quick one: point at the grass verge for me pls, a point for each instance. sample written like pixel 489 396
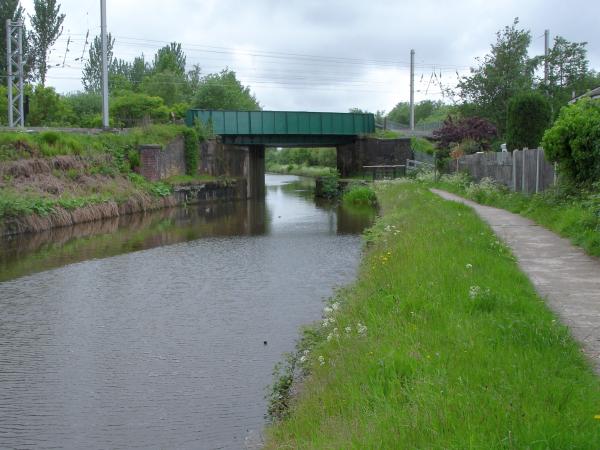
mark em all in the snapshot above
pixel 301 170
pixel 441 343
pixel 572 214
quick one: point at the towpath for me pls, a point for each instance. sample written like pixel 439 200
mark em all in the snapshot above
pixel 563 274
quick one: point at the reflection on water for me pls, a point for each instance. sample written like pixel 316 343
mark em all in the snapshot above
pixel 152 345
pixel 28 253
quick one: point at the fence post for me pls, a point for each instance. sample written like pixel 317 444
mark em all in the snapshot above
pixel 514 170
pixel 537 170
pixel 523 171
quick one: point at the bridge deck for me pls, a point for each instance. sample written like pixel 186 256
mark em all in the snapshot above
pixel 284 126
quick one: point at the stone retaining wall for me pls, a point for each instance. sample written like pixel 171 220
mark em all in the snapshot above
pixel 157 163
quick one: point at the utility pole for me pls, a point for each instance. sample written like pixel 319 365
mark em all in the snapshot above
pixel 104 38
pixel 412 89
pixel 14 60
pixel 546 50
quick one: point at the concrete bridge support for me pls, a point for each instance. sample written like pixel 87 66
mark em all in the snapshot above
pixel 237 161
pixel 372 152
pixel 255 171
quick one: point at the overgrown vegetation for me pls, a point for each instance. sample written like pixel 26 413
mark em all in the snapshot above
pixel 191 143
pixel 441 343
pixel 48 172
pixel 330 186
pixel 359 195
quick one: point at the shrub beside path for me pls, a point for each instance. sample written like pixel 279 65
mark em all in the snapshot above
pixel 563 274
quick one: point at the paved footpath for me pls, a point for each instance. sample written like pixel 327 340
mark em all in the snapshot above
pixel 563 274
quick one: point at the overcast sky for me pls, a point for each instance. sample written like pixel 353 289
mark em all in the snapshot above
pixel 321 55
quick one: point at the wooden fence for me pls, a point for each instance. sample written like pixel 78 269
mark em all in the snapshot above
pixel 522 170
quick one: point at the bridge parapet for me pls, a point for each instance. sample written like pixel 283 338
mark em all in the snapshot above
pixel 284 128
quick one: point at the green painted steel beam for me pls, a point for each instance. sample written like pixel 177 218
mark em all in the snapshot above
pixel 283 123
pixel 288 140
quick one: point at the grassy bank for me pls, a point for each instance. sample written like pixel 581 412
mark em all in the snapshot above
pixel 441 343
pixel 572 214
pixel 56 178
pixel 301 170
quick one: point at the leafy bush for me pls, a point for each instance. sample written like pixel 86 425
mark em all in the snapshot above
pixel 528 117
pixel 476 129
pixel 48 108
pixel 329 186
pixel 360 195
pixel 132 108
pixel 574 142
pixel 86 107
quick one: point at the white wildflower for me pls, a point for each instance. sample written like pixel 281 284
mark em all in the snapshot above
pixel 327 321
pixel 469 266
pixel 303 359
pixel 327 310
pixel 474 292
pixel 329 337
pixel 335 306
pixel 306 352
pixel 362 329
pixel 348 329
pixel 321 360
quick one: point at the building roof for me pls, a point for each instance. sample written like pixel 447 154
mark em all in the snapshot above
pixel 593 94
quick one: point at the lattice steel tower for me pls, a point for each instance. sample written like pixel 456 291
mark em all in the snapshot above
pixel 14 66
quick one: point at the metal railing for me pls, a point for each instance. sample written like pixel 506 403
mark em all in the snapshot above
pixel 412 164
pixel 383 170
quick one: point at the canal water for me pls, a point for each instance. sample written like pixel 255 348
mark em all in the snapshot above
pixel 149 331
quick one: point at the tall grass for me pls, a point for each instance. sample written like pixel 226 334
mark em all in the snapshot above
pixel 442 343
pixel 360 195
pixel 16 145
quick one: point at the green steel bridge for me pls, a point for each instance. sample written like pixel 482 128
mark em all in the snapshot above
pixel 284 128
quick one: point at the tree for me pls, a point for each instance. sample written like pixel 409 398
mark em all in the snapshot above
pixel 567 71
pixel 194 80
pixel 139 70
pixel 504 72
pixel 528 117
pixel 400 113
pixel 46 24
pixel 425 111
pixel 170 58
pixel 92 70
pixel 167 85
pixel 574 142
pixel 475 129
pixel 224 91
